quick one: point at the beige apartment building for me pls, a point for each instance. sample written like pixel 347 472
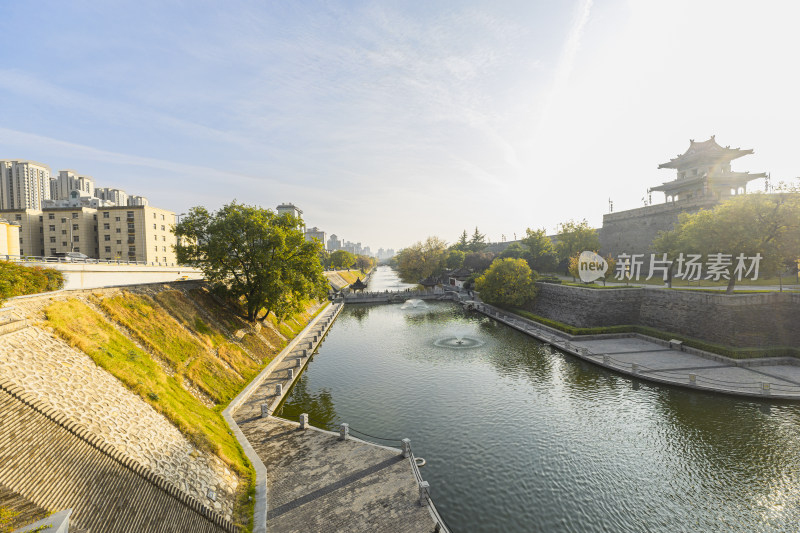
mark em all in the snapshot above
pixel 136 233
pixel 70 229
pixel 119 233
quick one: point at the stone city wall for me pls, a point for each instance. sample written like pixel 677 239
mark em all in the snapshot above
pixel 740 320
pixel 633 231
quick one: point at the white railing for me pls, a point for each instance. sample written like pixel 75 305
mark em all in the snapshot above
pixel 88 260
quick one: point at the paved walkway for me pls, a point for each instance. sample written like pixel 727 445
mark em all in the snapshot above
pixel 317 482
pixel 655 360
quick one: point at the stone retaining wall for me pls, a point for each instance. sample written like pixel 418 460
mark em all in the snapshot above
pixel 740 320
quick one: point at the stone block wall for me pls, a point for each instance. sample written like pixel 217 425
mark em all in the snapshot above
pixel 741 320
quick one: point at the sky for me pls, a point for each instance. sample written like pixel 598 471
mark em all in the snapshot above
pixel 388 122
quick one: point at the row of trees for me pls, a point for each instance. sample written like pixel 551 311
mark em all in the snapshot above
pixel 342 259
pixel 758 223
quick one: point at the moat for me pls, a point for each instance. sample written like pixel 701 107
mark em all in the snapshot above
pixel 519 437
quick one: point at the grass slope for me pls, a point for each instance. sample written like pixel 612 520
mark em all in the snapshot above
pixel 194 335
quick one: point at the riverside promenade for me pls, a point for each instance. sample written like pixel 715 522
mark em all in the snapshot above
pixel 316 481
pixel 671 363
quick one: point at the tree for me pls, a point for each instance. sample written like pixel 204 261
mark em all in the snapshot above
pixel 515 251
pixel 507 282
pixel 478 261
pixel 575 237
pixel 341 259
pixel 463 242
pixel 477 242
pixel 253 254
pixel 421 260
pixel 364 263
pixel 750 224
pixel 542 255
pixel 455 259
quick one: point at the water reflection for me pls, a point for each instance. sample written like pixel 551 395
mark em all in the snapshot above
pixel 520 437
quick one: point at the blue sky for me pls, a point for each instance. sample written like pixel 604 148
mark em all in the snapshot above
pixel 388 122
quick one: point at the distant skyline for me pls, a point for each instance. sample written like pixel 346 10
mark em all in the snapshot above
pixel 387 123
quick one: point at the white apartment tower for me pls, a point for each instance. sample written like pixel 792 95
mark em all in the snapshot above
pixel 23 184
pixel 69 180
pixel 116 196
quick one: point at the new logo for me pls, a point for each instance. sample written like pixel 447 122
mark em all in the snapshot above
pixel 591 266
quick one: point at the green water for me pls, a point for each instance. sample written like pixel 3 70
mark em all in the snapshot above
pixel 521 438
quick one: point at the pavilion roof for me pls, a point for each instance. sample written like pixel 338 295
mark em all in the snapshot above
pixel 358 284
pixel 705 152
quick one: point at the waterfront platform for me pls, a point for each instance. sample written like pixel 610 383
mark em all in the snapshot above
pixel 651 359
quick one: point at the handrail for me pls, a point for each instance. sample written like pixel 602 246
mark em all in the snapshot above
pixel 88 261
pixel 441 525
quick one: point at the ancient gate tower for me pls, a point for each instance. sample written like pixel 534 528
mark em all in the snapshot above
pixel 704 179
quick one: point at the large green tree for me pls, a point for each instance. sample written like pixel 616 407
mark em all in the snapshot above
pixel 477 242
pixel 575 237
pixel 542 256
pixel 421 260
pixel 507 282
pixel 254 255
pixel 341 259
pixel 750 224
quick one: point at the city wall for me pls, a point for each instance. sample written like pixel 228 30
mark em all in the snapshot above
pixel 633 231
pixel 741 320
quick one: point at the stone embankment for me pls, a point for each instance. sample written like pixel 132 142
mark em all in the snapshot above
pixel 50 371
pixel 666 362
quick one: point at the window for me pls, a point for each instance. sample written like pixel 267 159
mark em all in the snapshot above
pixel 106 237
pixel 105 214
pixel 162 227
pixel 116 219
pixel 108 249
pixel 162 217
pixel 52 227
pixel 106 226
pixel 165 259
pixel 51 216
pixel 74 215
pixel 17 217
pixel 130 214
pixel 119 230
pixel 163 238
pixel 154 226
pixel 40 218
pixel 76 249
pixel 75 227
pixel 154 215
pixel 52 251
pixel 156 250
pixel 52 239
pixel 76 238
pixel 63 232
pixel 64 243
pixel 119 241
pixel 131 227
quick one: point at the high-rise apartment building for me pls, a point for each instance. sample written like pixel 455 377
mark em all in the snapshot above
pixel 23 184
pixel 68 181
pixel 115 196
pixel 135 201
pixel 315 233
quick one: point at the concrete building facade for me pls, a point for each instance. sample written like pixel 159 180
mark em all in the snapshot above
pixel 116 233
pixel 23 184
pixel 316 233
pixel 136 233
pixel 68 181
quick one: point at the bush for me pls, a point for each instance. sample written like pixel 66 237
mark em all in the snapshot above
pixel 18 280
